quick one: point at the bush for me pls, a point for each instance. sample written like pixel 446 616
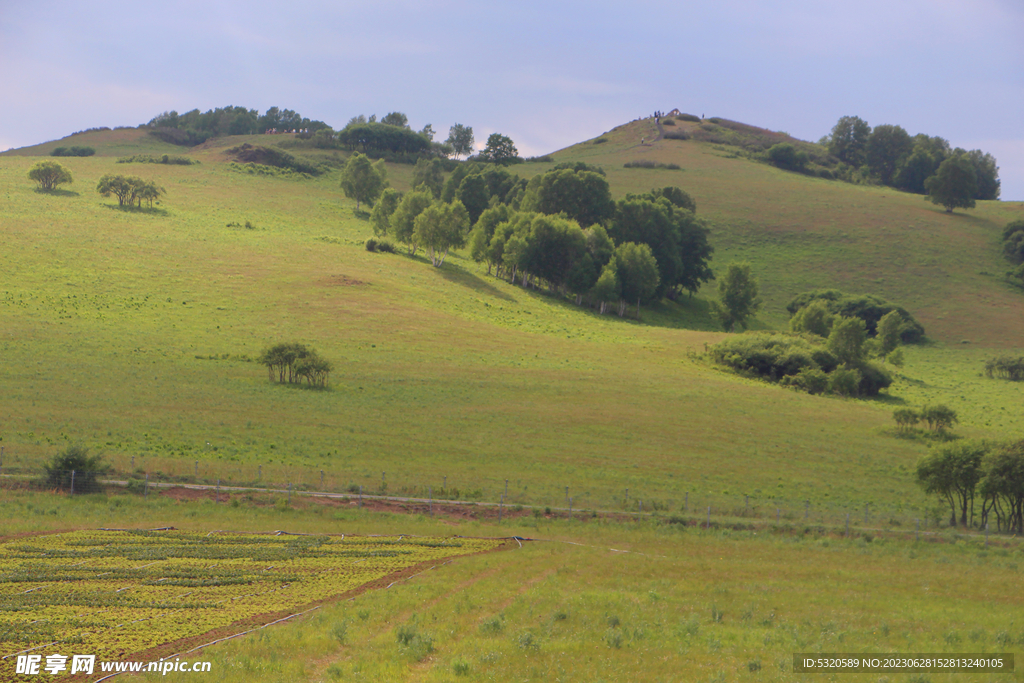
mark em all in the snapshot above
pixel 272 156
pixel 1006 367
pixel 547 158
pixel 73 152
pixel 385 247
pixel 1013 240
pixel 49 174
pixel 677 135
pixel 371 244
pixel 939 417
pixel 600 141
pixel 668 122
pixel 646 163
pixel 74 470
pixel 844 381
pixel 150 159
pixel 811 380
pixel 784 155
pixel 688 117
pixel 868 308
pixel 873 379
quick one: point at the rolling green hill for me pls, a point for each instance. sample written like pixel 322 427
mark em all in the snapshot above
pixel 134 333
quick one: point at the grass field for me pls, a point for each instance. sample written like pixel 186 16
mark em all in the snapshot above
pixel 133 332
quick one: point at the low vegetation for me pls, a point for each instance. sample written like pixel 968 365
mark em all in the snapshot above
pixel 50 174
pixel 73 151
pixel 174 160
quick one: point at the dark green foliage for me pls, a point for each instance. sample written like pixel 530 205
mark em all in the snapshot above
pixel 380 137
pixel 129 190
pixel 815 318
pixel 383 209
pixel 474 195
pixel 849 140
pixel 76 459
pixel 784 155
pixel 164 159
pixel 939 417
pixel 294 362
pixel 460 138
pixel 646 163
pixel 738 296
pixel 545 159
pixel 194 127
pixel 953 472
pixel 906 418
pixel 887 147
pixel 676 135
pixel 1006 367
pixel 272 156
pixel 578 167
pixel 688 117
pixel 1003 486
pixel 798 362
pixel 846 340
pixel 362 180
pixel 868 308
pixel 583 196
pixel 676 196
pixel 668 122
pixel 1013 240
pixel 396 118
pixel 500 150
pixel 73 151
pixel 429 175
pixel 954 184
pixel 600 141
pixel 987 174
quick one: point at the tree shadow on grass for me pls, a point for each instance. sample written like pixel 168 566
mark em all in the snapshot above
pixel 57 192
pixel 150 211
pixel 459 275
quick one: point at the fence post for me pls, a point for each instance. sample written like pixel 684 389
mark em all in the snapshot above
pixel 566 494
pixel 133 463
pixel 501 504
pixel 641 509
pixel 430 492
pixel 259 473
pixel 72 482
pixel 321 480
pixel 197 469
pixel 216 496
pixel 506 488
pixel 145 491
pixel 570 509
pixel 446 482
pixel 360 495
pixel 289 493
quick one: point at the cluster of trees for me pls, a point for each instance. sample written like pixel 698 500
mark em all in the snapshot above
pixel 961 471
pixel 74 151
pixel 129 190
pixel 272 156
pixel 837 365
pixel 561 228
pixel 922 164
pixel 293 362
pixel 938 418
pixel 195 127
pixel 1013 247
pixel 870 309
pixel 393 136
pixel 49 174
pixel 1006 367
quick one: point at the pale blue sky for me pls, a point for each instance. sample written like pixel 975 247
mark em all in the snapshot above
pixel 547 74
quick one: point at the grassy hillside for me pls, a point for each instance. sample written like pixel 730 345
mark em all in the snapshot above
pixel 134 332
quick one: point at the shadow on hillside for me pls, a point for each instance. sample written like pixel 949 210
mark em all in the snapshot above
pixel 151 211
pixel 56 192
pixel 456 273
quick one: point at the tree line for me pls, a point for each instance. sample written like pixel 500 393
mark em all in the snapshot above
pixel 991 472
pixel 923 164
pixel 292 363
pixel 560 230
pixel 195 127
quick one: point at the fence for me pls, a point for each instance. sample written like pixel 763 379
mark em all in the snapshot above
pixel 693 507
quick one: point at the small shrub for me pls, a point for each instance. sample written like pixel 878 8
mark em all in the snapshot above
pixel 371 245
pixel 528 641
pixel 677 135
pixel 340 632
pixel 546 159
pixel 668 122
pixel 844 381
pixel 895 358
pixel 613 638
pixel 74 470
pixel 460 667
pixel 492 626
pixel 784 155
pixel 646 163
pixel 600 141
pixel 688 117
pixel 73 152
pixel 386 247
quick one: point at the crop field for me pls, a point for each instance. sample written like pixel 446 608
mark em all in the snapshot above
pixel 118 593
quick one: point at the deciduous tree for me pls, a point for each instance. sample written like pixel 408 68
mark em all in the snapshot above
pixel 849 140
pixel 49 174
pixel 460 137
pixel 954 184
pixel 738 299
pixel 500 150
pixel 363 180
pixel 441 227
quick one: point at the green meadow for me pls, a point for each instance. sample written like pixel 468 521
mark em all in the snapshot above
pixel 135 332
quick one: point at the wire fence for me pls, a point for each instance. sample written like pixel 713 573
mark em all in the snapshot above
pixel 507 496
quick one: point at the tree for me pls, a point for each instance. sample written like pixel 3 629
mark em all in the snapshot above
pixel 638 273
pixel 953 472
pixel 954 184
pixel 905 418
pixel 583 196
pixel 815 318
pixel 403 220
pixel 292 362
pixel 429 175
pixel 428 132
pixel 380 217
pixel 846 340
pixel 474 196
pixel 441 227
pixel 784 155
pixel 607 287
pixel 887 147
pixel 987 172
pixel 849 140
pixel 49 174
pixel 460 137
pixel 738 300
pixel 363 180
pixel 74 469
pixel 500 150
pixel 888 332
pixel 1013 240
pixel 129 189
pixel 939 417
pixel 396 118
pixel 1003 486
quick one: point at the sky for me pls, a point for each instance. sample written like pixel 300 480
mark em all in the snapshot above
pixel 547 74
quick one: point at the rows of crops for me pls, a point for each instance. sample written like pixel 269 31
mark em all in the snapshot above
pixel 113 593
